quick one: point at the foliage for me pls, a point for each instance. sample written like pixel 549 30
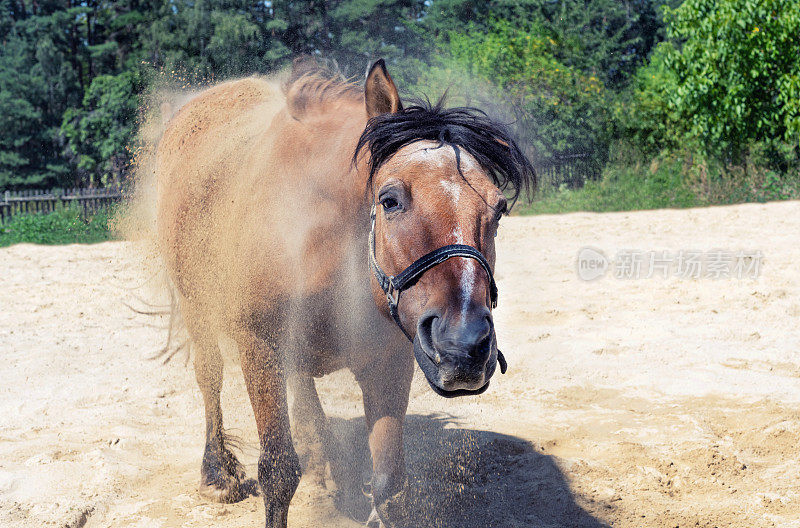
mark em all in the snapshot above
pixel 37 84
pixel 98 133
pixel 363 30
pixel 675 178
pixel 738 72
pixel 64 226
pixel 559 110
pixel 606 38
pixel 713 114
pixel 643 114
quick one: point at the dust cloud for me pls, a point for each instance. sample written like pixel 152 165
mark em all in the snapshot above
pixel 235 236
pixel 235 233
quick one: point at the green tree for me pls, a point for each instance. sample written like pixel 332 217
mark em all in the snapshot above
pixel 644 118
pixel 365 30
pixel 738 73
pixel 38 81
pixel 99 133
pixel 606 38
pixel 560 111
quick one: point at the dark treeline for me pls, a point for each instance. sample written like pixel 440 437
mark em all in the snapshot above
pixel 71 71
pixel 595 80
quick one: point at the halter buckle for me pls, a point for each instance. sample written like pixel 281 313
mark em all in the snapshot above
pixel 392 295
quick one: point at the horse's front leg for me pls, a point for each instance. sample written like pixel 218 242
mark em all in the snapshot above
pixel 385 387
pixel 278 465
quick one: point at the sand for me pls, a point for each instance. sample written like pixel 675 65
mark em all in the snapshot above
pixel 651 402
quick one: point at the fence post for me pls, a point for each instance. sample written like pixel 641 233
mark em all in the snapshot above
pixel 87 201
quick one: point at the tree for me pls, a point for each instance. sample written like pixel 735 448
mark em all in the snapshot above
pixel 643 115
pixel 38 81
pixel 365 30
pixel 738 73
pixel 559 111
pixel 605 38
pixel 99 133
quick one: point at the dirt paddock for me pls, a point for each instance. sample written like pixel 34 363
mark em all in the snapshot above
pixel 649 402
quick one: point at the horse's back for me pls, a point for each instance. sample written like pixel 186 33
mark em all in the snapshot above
pixel 202 129
pixel 254 201
pixel 201 169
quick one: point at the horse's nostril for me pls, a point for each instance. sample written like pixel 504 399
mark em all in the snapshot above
pixel 425 332
pixel 482 338
pixel 482 348
pixel 471 337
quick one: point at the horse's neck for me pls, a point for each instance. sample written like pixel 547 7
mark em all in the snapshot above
pixel 345 181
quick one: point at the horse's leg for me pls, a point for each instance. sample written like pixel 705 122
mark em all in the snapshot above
pixel 312 433
pixel 278 465
pixel 311 430
pixel 222 477
pixel 386 388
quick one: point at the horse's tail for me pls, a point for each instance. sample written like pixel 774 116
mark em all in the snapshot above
pixel 177 337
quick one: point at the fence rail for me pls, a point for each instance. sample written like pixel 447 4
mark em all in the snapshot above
pixel 88 201
pixel 572 171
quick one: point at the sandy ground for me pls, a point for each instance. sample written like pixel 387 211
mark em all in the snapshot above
pixel 651 402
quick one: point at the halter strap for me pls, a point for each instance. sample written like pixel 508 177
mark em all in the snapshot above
pixel 393 285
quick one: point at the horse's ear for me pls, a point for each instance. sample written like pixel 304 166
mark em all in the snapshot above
pixel 380 93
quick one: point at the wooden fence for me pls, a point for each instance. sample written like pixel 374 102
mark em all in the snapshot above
pixel 88 201
pixel 572 171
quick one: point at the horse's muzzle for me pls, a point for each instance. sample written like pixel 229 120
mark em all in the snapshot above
pixel 457 359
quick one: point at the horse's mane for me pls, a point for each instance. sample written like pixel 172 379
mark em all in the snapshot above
pixel 489 142
pixel 313 83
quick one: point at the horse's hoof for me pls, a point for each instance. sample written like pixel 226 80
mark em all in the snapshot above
pixel 353 504
pixel 219 485
pixel 228 490
pixel 392 513
pixel 374 520
pixel 222 477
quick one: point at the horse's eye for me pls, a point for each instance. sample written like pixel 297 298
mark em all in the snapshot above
pixel 390 204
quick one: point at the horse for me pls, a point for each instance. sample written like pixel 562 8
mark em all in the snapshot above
pixel 323 225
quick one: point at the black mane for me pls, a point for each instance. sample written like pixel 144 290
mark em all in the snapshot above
pixel 489 142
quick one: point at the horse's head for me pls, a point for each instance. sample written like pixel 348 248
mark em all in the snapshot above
pixel 437 179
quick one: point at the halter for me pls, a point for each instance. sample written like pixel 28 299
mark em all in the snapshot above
pixel 394 285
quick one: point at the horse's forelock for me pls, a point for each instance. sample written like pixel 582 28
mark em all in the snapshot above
pixel 489 142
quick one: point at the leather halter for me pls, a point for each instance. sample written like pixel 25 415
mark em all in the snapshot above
pixel 394 285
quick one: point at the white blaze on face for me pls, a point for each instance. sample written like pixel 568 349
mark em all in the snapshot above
pixel 468 270
pixel 453 190
pixel 437 157
pixel 467 283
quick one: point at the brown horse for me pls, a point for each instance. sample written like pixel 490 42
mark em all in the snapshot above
pixel 270 201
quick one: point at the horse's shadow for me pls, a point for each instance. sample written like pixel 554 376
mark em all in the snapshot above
pixel 466 478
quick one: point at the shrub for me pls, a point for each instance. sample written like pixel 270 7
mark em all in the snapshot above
pixel 65 226
pixel 738 74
